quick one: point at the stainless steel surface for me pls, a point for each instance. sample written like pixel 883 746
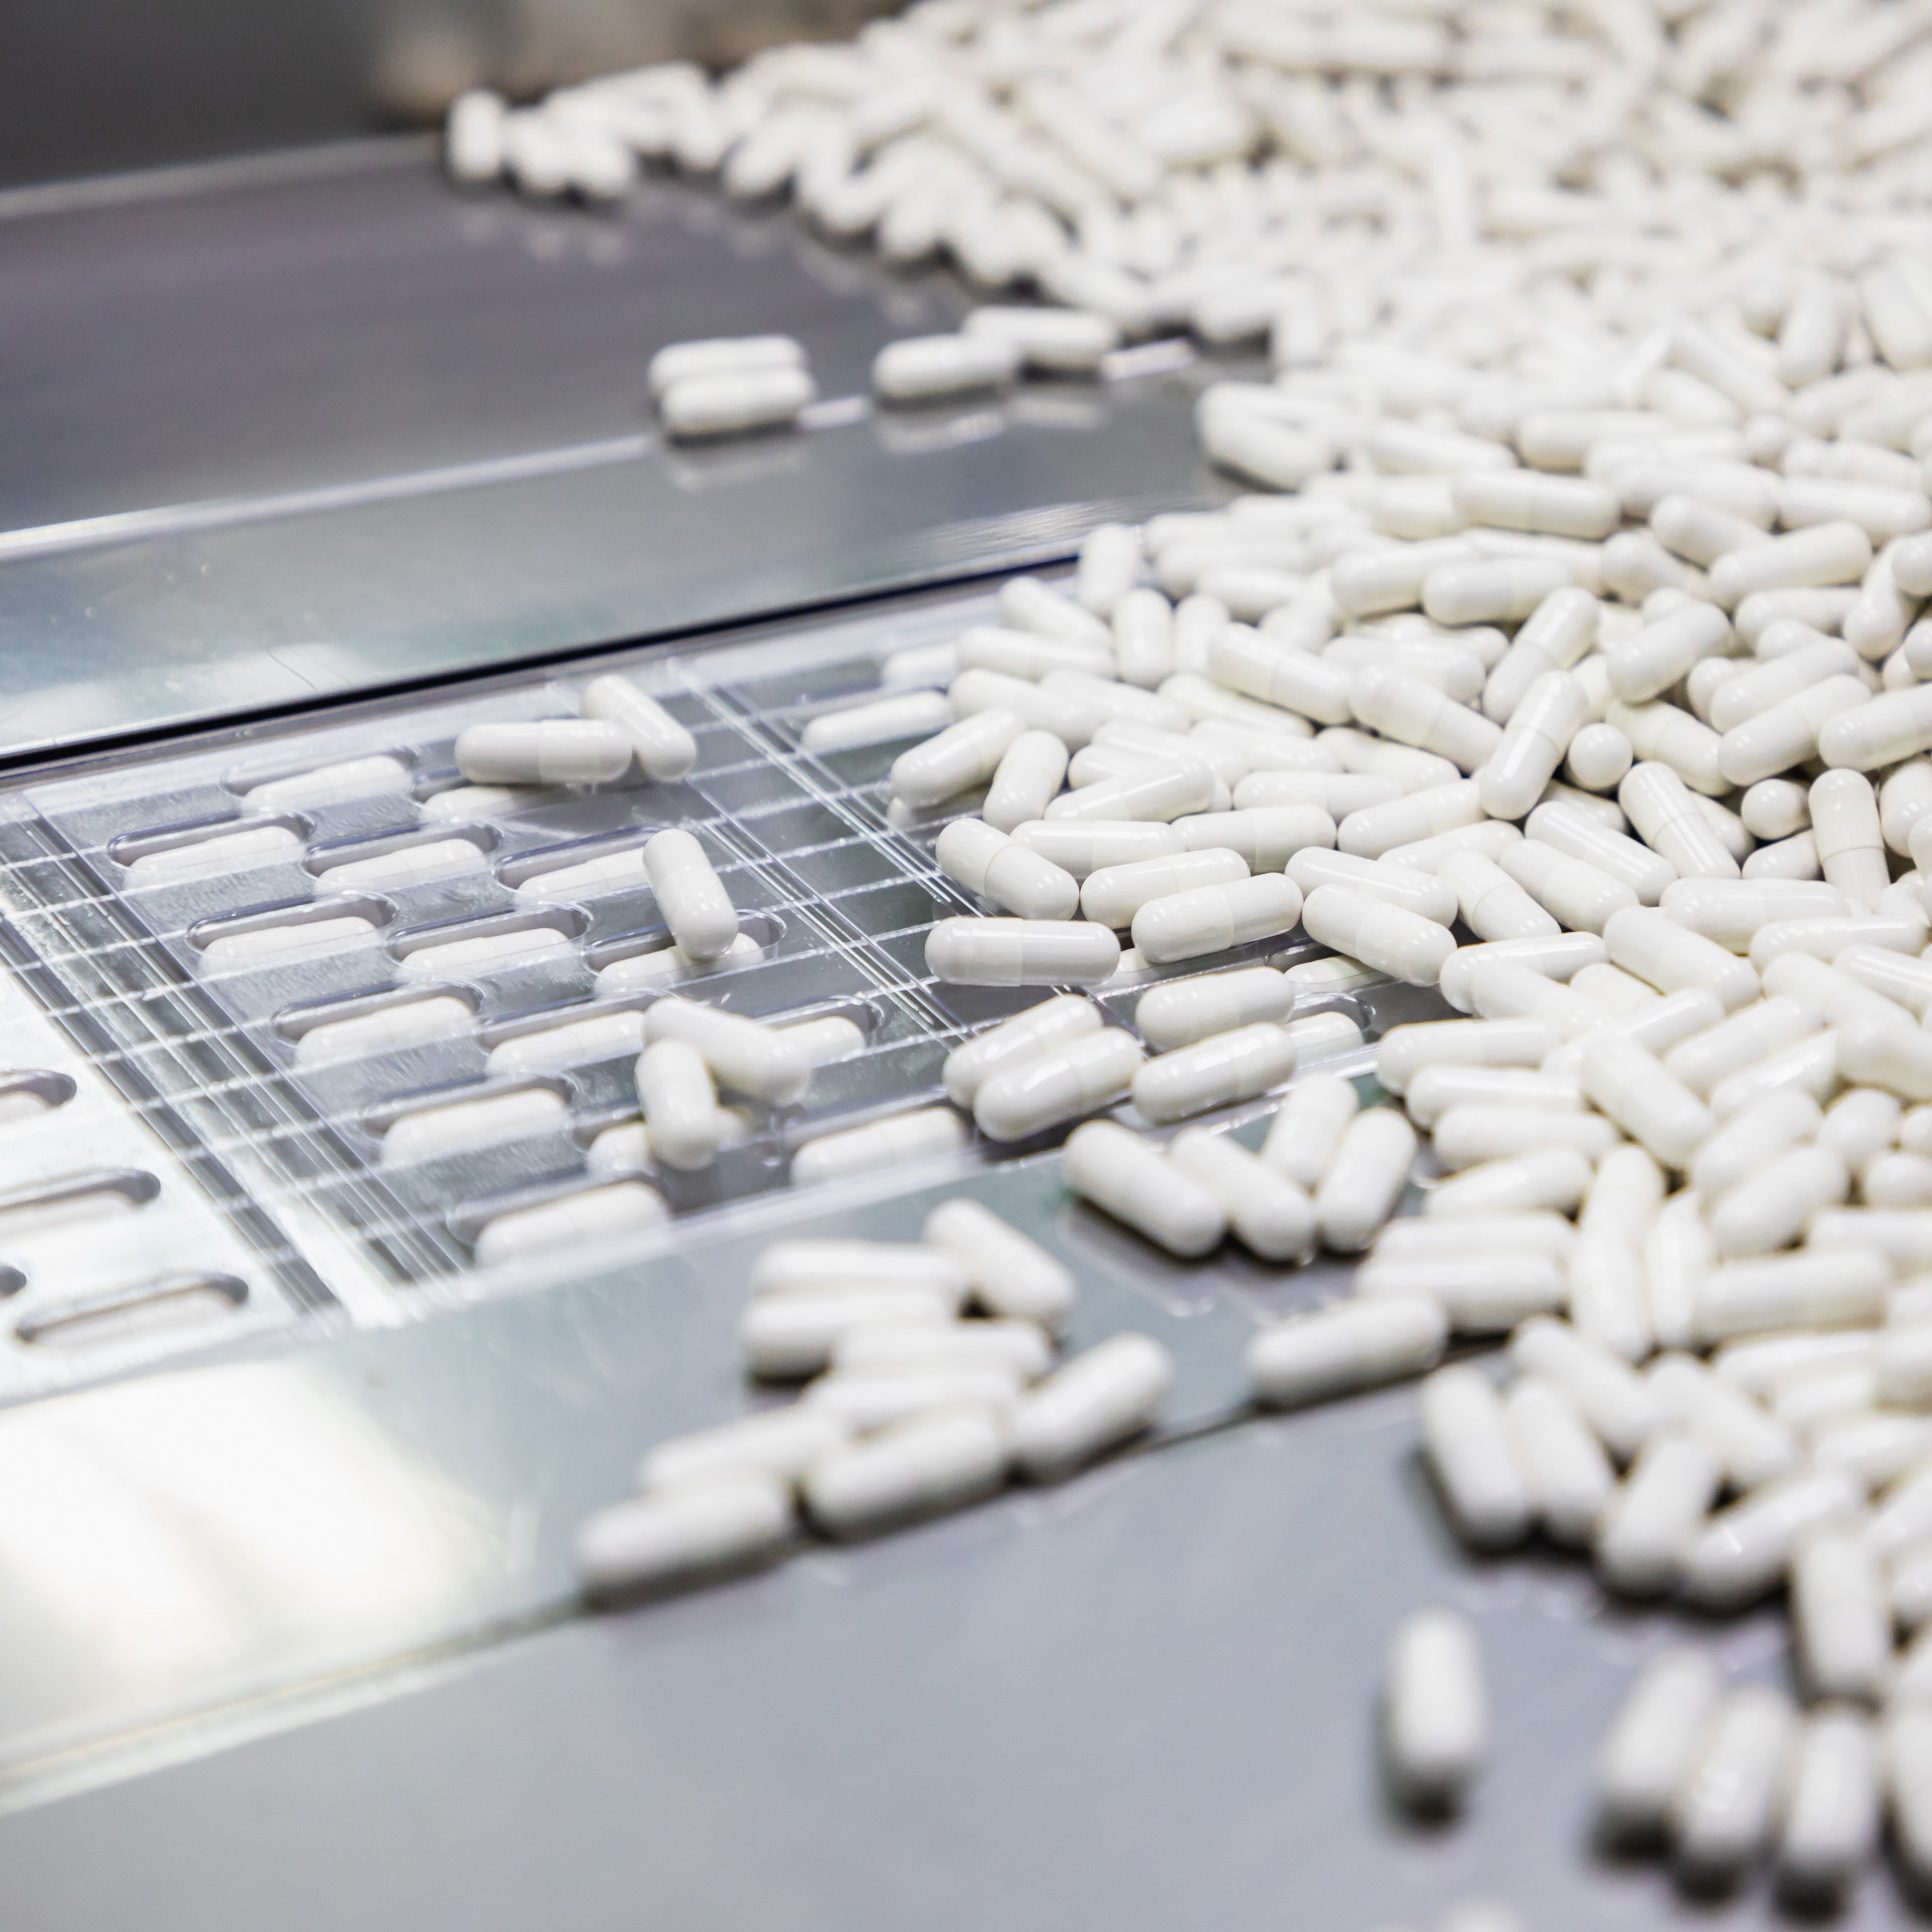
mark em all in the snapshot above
pixel 463 377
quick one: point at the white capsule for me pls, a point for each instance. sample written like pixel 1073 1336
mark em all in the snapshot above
pixel 1574 834
pixel 460 958
pixel 1184 1011
pixel 665 750
pixel 1081 849
pixel 1541 726
pixel 746 1056
pixel 1113 894
pixel 1189 924
pixel 1404 708
pixel 433 1133
pixel 776 1444
pixel 1134 1182
pixel 1851 847
pixel 1267 1213
pixel 1011 1276
pixel 1026 781
pixel 1308 1128
pixel 1840 1618
pixel 1066 340
pixel 1349 1346
pixel 1527 499
pixel 1267 838
pixel 817 1265
pixel 1405 1050
pixel 704 923
pixel 962 756
pixel 1466 1439
pixel 1662 653
pixel 1027 654
pixel 328 784
pixel 1016 1042
pixel 1469 1134
pixel 943 1459
pixel 1657 1739
pixel 1436 1721
pixel 467 804
pixel 1230 1066
pixel 581 1043
pixel 920 367
pixel 1723 1813
pixel 1435 1090
pixel 596 1214
pixel 1829 1826
pixel 676 1536
pixel 1399 829
pixel 1813 1288
pixel 1480 1293
pixel 1495 591
pixel 1021 953
pixel 1665 955
pixel 1837 552
pixel 1088 1072
pixel 1614 1399
pixel 1568 1478
pixel 390 1029
pixel 1159 790
pixel 1770 1208
pixel 1647 1529
pixel 680 1105
pixel 1751 1447
pixel 1381 935
pixel 1092 1403
pixel 731 401
pixel 924 1134
pixel 785 1337
pixel 1665 817
pixel 1364 1178
pixel 559 751
pixel 1859 1125
pixel 721 356
pixel 991 864
pixel 916 714
pixel 1395 885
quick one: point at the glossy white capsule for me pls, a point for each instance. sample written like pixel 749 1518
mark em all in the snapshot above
pixel 1349 1346
pixel 920 367
pixel 1557 1178
pixel 1528 499
pixel 1665 955
pixel 991 864
pixel 1027 604
pixel 1090 1071
pixel 679 1104
pixel 1540 728
pixel 1133 1181
pixel 1745 1549
pixel 1498 591
pixel 1308 1128
pixel 467 804
pixel 1187 925
pixel 1403 1052
pixel 1214 1072
pixel 1179 1014
pixel 232 851
pixel 1647 1529
pixel 1158 790
pixel 1143 638
pixel 328 785
pixel 731 401
pixel 1813 1288
pixel 924 1134
pixel 1469 1134
pixel 1065 340
pixel 1851 846
pixel 1492 905
pixel 717 355
pixel 1653 1746
pixel 916 714
pixel 1723 1814
pixel 1480 1293
pixel 1569 830
pixel 944 1458
pixel 698 1529
pixel 435 1132
pixel 1840 1618
pixel 607 872
pixel 746 1056
pixel 829 1040
pixel 1040 1029
pixel 558 750
pixel 1092 1403
pixel 595 1213
pixel 1662 653
pixel 777 1445
pixel 1267 1213
pixel 1614 1399
pixel 1395 885
pixel 1404 708
pixel 1381 935
pixel 1396 828
pixel 664 749
pixel 1768 1209
pixel 1267 838
pixel 1581 897
pixel 1021 953
pixel 1083 849
pixel 410 865
pixel 815 1265
pixel 1733 913
pixel 581 1043
pixel 1027 780
pixel 1829 1826
pixel 962 756
pixel 1435 1090
pixel 704 923
pixel 1566 1475
pixel 1649 1103
pixel 1011 1276
pixel 1836 552
pixel 1559 631
pixel 459 959
pixel 1027 654
pixel 1466 1440
pixel 1112 895
pixel 1364 1180
pixel 390 1029
pixel 1665 817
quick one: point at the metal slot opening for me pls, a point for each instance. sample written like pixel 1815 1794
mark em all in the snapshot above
pixel 27 1092
pixel 83 1196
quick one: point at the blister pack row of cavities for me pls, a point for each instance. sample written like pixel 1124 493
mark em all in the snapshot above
pixel 410 1006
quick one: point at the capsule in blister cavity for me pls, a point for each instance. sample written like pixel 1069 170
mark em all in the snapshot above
pixel 1021 953
pixel 665 750
pixel 1466 1441
pixel 923 1134
pixel 962 756
pixel 745 1055
pixel 328 785
pixel 676 1535
pixel 922 366
pixel 1383 936
pixel 594 1214
pixel 229 851
pixel 690 894
pixel 727 403
pixel 579 1043
pixel 459 959
pixel 1134 1182
pixel 459 1128
pixel 992 864
pixel 1178 1014
pixel 558 750
pixel 386 1030
pixel 1018 1041
pixel 1210 919
pixel 466 804
pixel 1655 1743
pixel 1346 1347
pixel 1010 1275
pixel 1308 1128
pixel 609 872
pixel 1041 1092
pixel 1364 1178
pixel 408 865
pixel 1091 1404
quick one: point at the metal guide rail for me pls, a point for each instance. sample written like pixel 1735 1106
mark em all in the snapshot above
pixel 225 931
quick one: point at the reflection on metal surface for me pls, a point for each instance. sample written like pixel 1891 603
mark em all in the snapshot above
pixel 172 1543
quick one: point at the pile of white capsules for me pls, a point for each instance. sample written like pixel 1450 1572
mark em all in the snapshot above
pixel 1573 664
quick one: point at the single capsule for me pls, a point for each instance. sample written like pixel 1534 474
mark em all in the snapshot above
pixel 1308 1128
pixel 1054 1023
pixel 1346 1347
pixel 1143 638
pixel 1556 636
pixel 680 1105
pixel 963 755
pixel 1381 935
pixel 1134 1182
pixel 1666 818
pixel 989 863
pixel 1083 849
pixel 1230 1066
pixel 1829 1828
pixel 1112 895
pixel 1266 837
pixel 921 1135
pixel 1404 708
pixel 1657 949
pixel 1816 1288
pixel 1012 1277
pixel 1768 1209
pixel 1158 790
pixel 1210 919
pixel 1377 831
pixel 1657 1739
pixel 1090 1072
pixel 1503 590
pixel 1435 1719
pixel 1184 1011
pixel 1026 781
pixel 1466 1441
pixel 1722 1814
pixel 942 1459
pixel 786 1337
pixel 1575 834
pixel 1662 653
pixel 1615 1400
pixel 1401 885
pixel 1405 1050
pixel 1541 726
pixel 1581 897
pixel 1364 1178
pixel 921 367
pixel 691 897
pixel 1851 847
pixel 558 750
pixel 664 749
pixel 1091 1404
pixel 1493 906
pixel 916 714
pixel 1569 1478
pixel 697 1530
pixel 1840 1618
pixel 1647 1529
pixel 777 1444
pixel 732 401
pixel 1021 953
pixel 718 355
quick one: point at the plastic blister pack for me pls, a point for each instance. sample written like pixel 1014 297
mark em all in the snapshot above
pixel 406 1008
